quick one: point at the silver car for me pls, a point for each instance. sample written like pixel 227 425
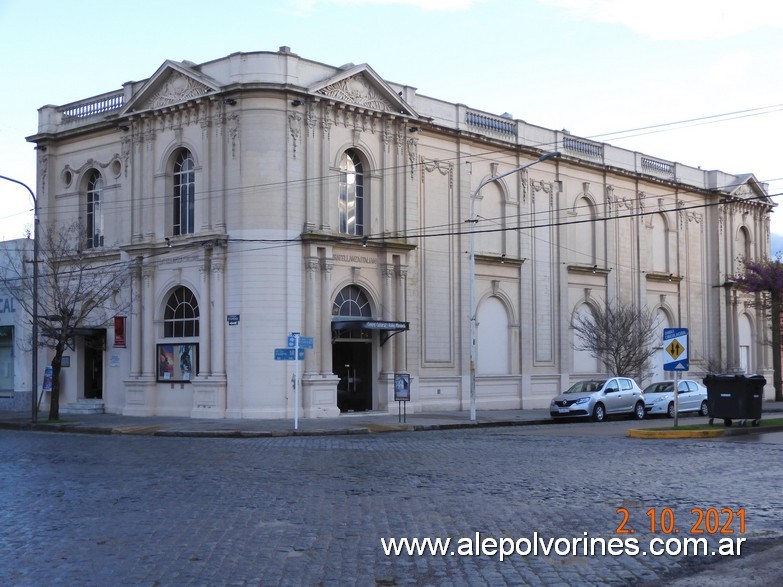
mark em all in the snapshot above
pixel 599 398
pixel 659 398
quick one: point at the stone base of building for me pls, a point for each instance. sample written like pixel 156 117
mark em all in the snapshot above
pixel 140 397
pixel 209 397
pixel 319 396
pixel 16 401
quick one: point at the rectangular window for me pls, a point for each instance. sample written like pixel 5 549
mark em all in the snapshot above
pixel 6 361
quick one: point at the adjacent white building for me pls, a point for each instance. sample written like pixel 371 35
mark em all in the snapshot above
pixel 15 337
pixel 262 194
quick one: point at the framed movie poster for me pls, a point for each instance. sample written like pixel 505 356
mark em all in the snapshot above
pixel 177 362
pixel 402 387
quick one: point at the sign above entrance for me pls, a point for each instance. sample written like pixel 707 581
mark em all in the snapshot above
pixel 387 328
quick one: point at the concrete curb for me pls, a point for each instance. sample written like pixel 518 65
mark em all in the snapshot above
pixel 716 433
pixel 675 434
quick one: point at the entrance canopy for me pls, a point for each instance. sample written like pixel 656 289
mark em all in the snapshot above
pixel 387 328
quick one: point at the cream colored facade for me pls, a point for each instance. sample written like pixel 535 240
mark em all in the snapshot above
pixel 331 202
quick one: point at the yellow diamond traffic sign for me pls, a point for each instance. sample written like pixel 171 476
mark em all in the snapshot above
pixel 675 349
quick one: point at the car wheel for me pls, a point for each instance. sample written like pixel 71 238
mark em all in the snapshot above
pixel 704 410
pixel 670 410
pixel 599 413
pixel 638 411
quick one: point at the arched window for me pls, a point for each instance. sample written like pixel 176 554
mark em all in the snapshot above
pixel 492 338
pixel 584 361
pixel 180 318
pixel 351 198
pixel 662 322
pixel 184 193
pixel 94 213
pixel 352 301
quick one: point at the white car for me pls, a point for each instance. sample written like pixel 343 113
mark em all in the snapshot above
pixel 599 398
pixel 659 398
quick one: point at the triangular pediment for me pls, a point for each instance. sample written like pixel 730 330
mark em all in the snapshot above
pixel 361 86
pixel 749 188
pixel 173 83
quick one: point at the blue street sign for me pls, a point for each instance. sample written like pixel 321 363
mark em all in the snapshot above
pixel 675 349
pixel 305 342
pixel 288 355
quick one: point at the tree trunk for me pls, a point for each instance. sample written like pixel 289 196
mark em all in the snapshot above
pixel 54 405
pixel 777 377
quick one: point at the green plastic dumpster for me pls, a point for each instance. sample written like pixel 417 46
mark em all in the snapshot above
pixel 735 397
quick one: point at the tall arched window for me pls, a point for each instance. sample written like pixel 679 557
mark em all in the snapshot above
pixel 94 213
pixel 181 316
pixel 492 338
pixel 351 197
pixel 184 193
pixel 584 361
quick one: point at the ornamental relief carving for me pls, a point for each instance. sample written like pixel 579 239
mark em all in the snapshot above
pixel 178 88
pixel 356 90
pixel 295 128
pixel 91 163
pixel 440 167
pixel 413 149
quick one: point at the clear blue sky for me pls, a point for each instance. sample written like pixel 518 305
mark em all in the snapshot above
pixel 589 66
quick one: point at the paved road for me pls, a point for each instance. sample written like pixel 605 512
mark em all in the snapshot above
pixel 137 510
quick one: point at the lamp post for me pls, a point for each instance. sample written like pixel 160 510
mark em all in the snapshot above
pixel 473 354
pixel 34 382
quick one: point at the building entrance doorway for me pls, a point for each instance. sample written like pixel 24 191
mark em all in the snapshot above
pixel 93 365
pixel 352 363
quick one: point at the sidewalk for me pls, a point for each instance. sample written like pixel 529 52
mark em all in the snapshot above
pixel 349 423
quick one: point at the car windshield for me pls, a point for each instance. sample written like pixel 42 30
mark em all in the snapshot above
pixel 660 387
pixel 586 386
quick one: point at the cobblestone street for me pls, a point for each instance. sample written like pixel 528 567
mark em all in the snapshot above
pixel 133 510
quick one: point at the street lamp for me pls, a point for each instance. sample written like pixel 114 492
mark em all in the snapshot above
pixel 34 382
pixel 473 273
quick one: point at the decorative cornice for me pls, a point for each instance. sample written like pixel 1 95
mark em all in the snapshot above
pixel 356 90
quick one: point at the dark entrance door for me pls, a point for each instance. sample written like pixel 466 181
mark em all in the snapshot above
pixel 352 363
pixel 93 365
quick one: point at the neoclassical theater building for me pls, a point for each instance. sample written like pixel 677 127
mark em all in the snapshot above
pixel 264 194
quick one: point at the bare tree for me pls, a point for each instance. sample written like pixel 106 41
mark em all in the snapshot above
pixel 622 336
pixel 76 290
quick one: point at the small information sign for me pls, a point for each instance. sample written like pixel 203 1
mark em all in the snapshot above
pixel 289 355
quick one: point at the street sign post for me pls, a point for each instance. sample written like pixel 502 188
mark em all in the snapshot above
pixel 675 348
pixel 295 352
